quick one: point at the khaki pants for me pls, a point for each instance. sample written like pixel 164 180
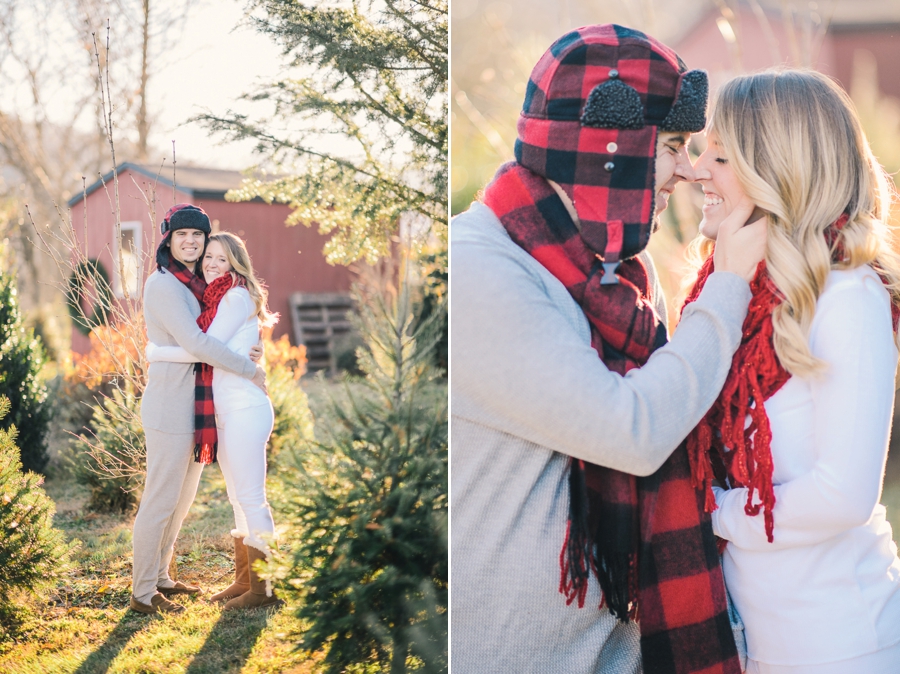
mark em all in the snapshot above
pixel 172 479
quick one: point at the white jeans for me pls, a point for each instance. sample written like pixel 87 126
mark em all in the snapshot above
pixel 243 435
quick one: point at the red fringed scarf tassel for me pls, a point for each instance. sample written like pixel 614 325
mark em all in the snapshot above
pixel 755 376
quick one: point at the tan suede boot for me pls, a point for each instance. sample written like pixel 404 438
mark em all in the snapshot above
pixel 256 596
pixel 241 582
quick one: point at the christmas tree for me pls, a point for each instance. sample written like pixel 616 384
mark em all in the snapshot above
pixel 21 359
pixel 368 567
pixel 32 552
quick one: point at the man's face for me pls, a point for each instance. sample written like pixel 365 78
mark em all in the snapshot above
pixel 187 246
pixel 672 165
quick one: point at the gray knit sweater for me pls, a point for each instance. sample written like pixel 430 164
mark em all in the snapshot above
pixel 171 311
pixel 528 392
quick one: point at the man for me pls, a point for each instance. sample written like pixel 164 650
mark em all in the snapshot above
pixel 557 402
pixel 171 306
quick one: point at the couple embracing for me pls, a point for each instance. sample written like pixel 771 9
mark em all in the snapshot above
pixel 205 401
pixel 610 481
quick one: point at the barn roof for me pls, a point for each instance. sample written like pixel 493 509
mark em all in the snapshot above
pixel 200 183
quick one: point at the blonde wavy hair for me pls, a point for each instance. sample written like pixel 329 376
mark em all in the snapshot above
pixel 798 150
pixel 239 259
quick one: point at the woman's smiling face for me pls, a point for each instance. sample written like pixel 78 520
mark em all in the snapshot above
pixel 215 262
pixel 721 189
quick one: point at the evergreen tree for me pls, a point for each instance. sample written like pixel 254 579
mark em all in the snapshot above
pixel 112 456
pixel 373 73
pixel 368 565
pixel 21 360
pixel 32 552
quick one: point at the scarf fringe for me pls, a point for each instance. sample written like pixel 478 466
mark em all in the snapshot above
pixel 744 450
pixel 206 454
pixel 585 552
pixel 576 556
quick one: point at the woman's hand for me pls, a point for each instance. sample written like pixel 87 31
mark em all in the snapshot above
pixel 256 352
pixel 740 247
pixel 148 351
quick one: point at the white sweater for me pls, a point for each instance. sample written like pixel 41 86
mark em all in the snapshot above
pixel 236 324
pixel 828 587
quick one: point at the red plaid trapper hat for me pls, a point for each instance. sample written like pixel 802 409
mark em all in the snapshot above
pixel 594 105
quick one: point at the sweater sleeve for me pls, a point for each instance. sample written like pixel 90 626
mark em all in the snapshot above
pixel 170 354
pixel 173 313
pixel 519 365
pixel 853 402
pixel 234 310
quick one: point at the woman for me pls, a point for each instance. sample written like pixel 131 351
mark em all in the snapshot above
pixel 234 310
pixel 800 430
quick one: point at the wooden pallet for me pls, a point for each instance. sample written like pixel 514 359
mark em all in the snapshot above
pixel 318 320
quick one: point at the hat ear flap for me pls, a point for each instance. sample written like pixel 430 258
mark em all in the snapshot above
pixel 689 111
pixel 613 105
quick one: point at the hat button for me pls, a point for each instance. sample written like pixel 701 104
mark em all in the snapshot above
pixel 609 166
pixel 613 73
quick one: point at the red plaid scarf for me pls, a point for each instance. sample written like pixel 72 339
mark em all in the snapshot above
pixel 206 436
pixel 648 540
pixel 756 375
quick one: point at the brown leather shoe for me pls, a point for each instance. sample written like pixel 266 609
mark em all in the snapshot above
pixel 256 596
pixel 241 574
pixel 158 604
pixel 179 588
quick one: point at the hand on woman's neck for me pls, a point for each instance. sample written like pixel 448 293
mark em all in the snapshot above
pixel 570 207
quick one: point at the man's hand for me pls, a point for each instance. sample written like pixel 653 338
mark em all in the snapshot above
pixel 259 378
pixel 256 352
pixel 741 247
pixel 148 351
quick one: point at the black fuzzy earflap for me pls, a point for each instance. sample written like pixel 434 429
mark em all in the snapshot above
pixel 689 111
pixel 613 105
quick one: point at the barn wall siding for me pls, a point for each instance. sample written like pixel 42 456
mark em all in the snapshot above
pixel 288 259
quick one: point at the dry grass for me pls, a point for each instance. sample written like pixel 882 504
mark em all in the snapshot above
pixel 85 627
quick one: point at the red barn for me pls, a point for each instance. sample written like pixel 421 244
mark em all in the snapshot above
pixel 767 38
pixel 311 295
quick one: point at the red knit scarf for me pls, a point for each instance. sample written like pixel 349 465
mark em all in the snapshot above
pixel 647 540
pixel 755 376
pixel 206 437
pixel 724 445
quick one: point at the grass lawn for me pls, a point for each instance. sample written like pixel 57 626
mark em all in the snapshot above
pixel 85 626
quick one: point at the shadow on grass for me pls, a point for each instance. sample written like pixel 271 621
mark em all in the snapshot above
pixel 100 660
pixel 230 642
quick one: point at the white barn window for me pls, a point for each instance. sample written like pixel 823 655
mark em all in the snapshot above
pixel 127 275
